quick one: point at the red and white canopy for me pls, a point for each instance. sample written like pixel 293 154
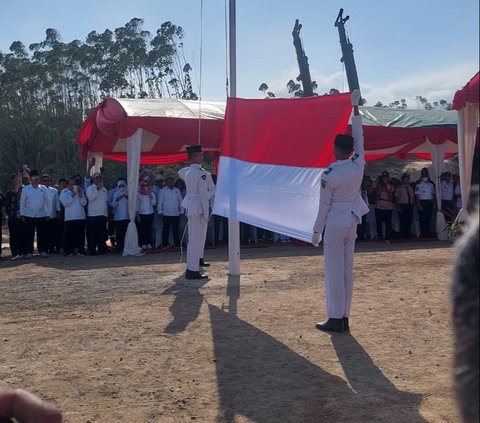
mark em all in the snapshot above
pixel 467 101
pixel 169 125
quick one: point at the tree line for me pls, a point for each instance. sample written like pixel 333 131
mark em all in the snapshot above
pixel 47 89
pixel 295 90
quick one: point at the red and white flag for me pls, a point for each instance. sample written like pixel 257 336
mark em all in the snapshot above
pixel 272 156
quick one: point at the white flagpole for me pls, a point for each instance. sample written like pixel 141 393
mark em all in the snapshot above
pixel 233 225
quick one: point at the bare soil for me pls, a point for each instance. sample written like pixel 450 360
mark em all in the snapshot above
pixel 113 339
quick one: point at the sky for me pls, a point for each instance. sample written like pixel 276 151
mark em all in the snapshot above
pixel 402 49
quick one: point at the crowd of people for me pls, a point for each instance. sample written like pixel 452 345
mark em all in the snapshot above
pixel 80 216
pixel 405 209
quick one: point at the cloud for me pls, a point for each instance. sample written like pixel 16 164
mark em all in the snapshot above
pixel 435 85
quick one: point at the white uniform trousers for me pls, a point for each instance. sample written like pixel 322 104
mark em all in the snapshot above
pixel 338 248
pixel 197 232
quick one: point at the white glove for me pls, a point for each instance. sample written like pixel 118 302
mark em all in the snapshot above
pixel 356 96
pixel 316 239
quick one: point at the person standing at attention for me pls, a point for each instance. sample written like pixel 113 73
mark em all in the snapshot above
pixel 405 199
pixel 168 207
pixel 200 189
pixel 340 211
pixel 425 199
pixel 97 196
pixel 35 209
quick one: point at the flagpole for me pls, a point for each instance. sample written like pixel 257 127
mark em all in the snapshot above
pixel 233 225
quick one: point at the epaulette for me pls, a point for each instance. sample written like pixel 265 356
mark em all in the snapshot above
pixel 355 157
pixel 326 172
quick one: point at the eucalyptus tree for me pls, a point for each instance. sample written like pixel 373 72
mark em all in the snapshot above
pixel 47 90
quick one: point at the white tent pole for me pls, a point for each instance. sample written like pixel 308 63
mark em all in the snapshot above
pixel 467 129
pixel 233 225
pixel 134 148
pixel 437 154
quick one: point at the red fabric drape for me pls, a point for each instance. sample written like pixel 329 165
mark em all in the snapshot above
pixel 470 93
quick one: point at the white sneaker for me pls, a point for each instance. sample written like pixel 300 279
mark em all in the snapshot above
pixel 148 247
pixel 15 258
pixel 28 256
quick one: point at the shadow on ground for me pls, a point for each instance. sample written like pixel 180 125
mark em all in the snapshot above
pixel 266 381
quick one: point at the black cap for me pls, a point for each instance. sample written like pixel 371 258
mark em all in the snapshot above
pixel 345 142
pixel 34 173
pixel 194 149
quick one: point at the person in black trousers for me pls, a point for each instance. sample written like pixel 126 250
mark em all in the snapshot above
pixel 12 211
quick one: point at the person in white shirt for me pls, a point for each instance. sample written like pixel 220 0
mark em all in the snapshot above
pixel 119 204
pixel 340 211
pixel 447 188
pixel 97 213
pixel 157 225
pixel 53 226
pixel 74 200
pixel 146 200
pixel 180 184
pixel 457 193
pixel 200 189
pixel 35 209
pixel 425 198
pixel 168 207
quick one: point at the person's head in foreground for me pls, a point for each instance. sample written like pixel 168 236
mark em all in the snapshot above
pixel 342 146
pixel 195 154
pixel 465 296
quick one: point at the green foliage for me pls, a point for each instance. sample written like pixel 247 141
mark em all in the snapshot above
pixel 454 230
pixel 47 91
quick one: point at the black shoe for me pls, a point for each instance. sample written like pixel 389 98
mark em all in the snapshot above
pixel 331 325
pixel 204 263
pixel 346 327
pixel 190 274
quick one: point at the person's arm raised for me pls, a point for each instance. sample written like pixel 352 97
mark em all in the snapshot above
pixel 357 128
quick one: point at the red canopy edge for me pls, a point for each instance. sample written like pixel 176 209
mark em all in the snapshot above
pixel 165 137
pixel 470 93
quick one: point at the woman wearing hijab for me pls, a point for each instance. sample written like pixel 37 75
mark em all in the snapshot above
pixel 119 204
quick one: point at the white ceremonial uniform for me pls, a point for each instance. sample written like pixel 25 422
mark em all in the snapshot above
pixel 340 211
pixel 200 188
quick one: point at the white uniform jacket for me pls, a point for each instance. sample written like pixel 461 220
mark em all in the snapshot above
pixel 200 189
pixel 341 204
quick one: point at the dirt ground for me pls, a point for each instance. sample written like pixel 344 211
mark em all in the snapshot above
pixel 112 339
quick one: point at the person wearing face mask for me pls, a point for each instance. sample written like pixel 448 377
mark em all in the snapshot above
pixel 119 204
pixel 145 211
pixel 424 199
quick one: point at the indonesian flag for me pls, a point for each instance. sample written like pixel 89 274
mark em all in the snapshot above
pixel 272 156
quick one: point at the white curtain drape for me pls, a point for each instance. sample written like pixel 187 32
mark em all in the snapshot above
pixel 467 131
pixel 437 153
pixel 134 147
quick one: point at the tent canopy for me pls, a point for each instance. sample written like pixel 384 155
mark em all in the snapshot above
pixel 470 93
pixel 169 125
